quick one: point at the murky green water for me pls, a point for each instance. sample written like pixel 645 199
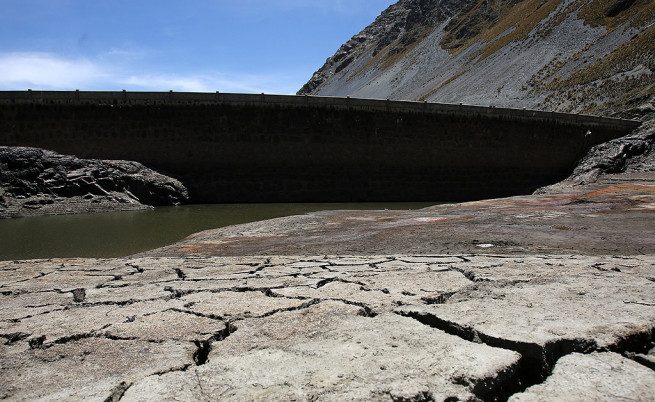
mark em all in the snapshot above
pixel 118 234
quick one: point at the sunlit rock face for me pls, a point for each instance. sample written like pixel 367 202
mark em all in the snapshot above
pixel 565 55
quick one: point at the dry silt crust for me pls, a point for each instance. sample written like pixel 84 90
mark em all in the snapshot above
pixel 395 327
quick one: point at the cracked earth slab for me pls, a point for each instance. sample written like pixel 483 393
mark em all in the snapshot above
pixel 332 351
pixel 597 376
pixel 602 309
pixel 85 369
pixel 386 327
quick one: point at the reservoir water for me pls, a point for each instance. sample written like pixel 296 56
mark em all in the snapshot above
pixel 117 234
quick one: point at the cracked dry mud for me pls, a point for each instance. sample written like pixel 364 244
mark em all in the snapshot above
pixel 456 327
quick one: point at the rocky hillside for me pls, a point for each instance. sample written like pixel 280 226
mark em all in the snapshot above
pixel 593 56
pixel 34 181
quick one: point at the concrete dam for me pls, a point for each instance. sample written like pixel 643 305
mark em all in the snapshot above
pixel 229 148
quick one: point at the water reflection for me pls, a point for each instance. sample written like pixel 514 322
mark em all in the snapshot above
pixel 118 234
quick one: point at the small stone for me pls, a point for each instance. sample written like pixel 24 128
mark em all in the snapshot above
pixel 79 295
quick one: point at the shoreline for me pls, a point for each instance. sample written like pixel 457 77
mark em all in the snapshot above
pixel 612 216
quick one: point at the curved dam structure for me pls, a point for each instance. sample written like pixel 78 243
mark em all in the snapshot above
pixel 278 148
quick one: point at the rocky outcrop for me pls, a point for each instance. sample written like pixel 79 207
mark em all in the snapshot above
pixel 34 181
pixel 631 157
pixel 404 21
pixel 565 55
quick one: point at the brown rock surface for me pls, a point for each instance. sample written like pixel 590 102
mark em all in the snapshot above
pixel 611 216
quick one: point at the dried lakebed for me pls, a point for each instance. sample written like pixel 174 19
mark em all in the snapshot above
pixel 563 308
pixel 362 327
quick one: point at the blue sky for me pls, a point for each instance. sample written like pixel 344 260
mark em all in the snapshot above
pixel 271 46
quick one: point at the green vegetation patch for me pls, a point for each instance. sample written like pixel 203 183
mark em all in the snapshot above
pixel 485 21
pixel 640 50
pixel 607 86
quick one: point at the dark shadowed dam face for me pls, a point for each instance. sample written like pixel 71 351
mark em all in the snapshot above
pixel 271 148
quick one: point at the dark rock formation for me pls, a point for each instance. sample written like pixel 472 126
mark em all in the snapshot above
pixel 631 153
pixel 34 181
pixel 630 156
pixel 618 7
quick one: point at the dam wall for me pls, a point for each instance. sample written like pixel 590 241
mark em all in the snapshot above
pixel 279 148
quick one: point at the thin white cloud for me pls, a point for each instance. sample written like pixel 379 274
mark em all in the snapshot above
pixel 126 53
pixel 351 7
pixel 19 71
pixel 46 71
pixel 212 83
pixel 166 82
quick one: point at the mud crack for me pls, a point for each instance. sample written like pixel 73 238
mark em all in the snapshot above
pixel 534 366
pixel 203 347
pixel 15 337
pixel 537 361
pixel 117 392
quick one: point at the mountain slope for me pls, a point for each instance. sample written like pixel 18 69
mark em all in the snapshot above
pixel 593 56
